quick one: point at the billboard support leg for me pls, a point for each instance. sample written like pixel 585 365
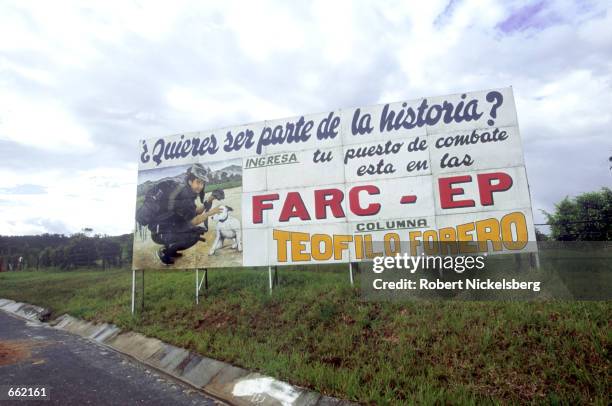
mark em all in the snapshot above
pixel 199 283
pixel 270 278
pixel 133 290
pixel 143 296
pixel 534 259
pixel 518 261
pixel 351 273
pixel 203 280
pixel 275 275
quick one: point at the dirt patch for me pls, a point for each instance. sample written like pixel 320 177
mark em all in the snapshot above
pixel 16 351
pixel 216 319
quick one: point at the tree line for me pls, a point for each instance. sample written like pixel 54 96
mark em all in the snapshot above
pixel 29 252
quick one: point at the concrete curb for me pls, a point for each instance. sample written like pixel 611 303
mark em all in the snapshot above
pixel 23 310
pixel 222 380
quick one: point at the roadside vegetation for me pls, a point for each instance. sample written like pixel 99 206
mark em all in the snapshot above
pixel 315 331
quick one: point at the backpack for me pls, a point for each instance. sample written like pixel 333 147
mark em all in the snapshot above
pixel 154 208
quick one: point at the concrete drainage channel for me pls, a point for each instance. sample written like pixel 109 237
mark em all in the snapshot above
pixel 229 383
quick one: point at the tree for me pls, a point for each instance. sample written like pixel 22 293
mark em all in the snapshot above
pixel 45 257
pixel 58 257
pixel 110 252
pixel 587 217
pixel 81 251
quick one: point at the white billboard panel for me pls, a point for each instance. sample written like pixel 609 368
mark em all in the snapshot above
pixel 288 190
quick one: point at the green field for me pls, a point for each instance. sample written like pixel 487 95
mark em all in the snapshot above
pixel 315 331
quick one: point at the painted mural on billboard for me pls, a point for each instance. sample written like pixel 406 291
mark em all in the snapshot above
pixel 328 187
pixel 189 215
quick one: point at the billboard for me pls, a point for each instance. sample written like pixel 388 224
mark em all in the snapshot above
pixel 323 188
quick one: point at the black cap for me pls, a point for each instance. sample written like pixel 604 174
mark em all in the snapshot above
pixel 199 171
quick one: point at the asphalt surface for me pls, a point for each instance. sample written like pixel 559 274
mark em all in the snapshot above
pixel 77 371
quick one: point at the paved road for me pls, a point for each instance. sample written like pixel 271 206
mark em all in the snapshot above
pixel 80 372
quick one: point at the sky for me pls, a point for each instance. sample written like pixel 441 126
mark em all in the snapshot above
pixel 82 82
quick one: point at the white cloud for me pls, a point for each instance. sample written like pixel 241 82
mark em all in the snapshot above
pixel 40 124
pixel 101 198
pixel 223 103
pixel 263 27
pixel 574 106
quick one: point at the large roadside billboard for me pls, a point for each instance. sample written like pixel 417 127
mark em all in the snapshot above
pixel 324 187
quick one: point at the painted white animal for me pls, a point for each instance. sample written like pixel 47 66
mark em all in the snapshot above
pixel 228 228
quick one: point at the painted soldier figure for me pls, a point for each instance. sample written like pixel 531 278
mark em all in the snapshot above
pixel 173 218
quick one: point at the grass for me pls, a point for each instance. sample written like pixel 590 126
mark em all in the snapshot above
pixel 315 331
